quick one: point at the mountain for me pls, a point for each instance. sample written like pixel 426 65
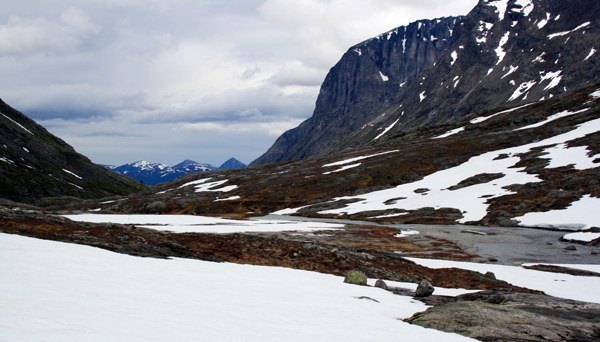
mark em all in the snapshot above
pixel 232 163
pixel 35 164
pixel 155 173
pixel 368 79
pixel 503 53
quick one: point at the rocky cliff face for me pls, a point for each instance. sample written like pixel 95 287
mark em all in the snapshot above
pixel 35 164
pixel 503 53
pixel 368 79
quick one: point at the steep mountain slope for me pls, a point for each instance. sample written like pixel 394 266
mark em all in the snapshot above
pixel 503 53
pixel 156 173
pixel 36 164
pixel 369 78
pixel 494 168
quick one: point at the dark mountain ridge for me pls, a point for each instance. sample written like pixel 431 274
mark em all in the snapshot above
pixel 35 164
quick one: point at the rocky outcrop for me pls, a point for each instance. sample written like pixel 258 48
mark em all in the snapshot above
pixel 502 316
pixel 368 79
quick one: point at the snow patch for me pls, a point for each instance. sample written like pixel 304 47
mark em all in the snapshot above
pixel 554 284
pixel 581 214
pixel 511 69
pixel 72 173
pixel 500 49
pixel 65 292
pixel 562 155
pixel 484 118
pixel 407 232
pixel 554 77
pixel 343 168
pixel 16 123
pixel 352 160
pixel 500 6
pixel 471 200
pixel 553 117
pixel 384 78
pixel 454 56
pixel 582 236
pixel 228 199
pixel 526 7
pixel 564 33
pixel 358 51
pixel 592 52
pixel 386 129
pixel 422 96
pixel 522 89
pixel 450 132
pixel 204 224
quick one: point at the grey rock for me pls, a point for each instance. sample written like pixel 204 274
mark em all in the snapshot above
pixel 424 289
pixel 381 284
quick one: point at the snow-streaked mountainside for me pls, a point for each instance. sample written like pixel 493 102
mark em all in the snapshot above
pixel 35 164
pixel 503 53
pixel 156 173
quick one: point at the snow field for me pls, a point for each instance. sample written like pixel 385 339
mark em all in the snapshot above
pixel 472 200
pixel 203 224
pixel 553 284
pixel 54 291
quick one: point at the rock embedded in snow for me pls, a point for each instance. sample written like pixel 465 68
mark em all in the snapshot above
pixel 424 289
pixel 356 277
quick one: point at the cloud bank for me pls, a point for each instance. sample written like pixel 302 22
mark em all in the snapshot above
pixel 166 80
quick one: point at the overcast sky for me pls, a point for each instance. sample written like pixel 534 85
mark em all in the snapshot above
pixel 167 80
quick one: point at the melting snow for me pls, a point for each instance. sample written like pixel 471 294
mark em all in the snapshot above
pixel 592 52
pixel 352 160
pixel 554 77
pixel 526 7
pixel 450 132
pixel 204 224
pixel 386 129
pixel 202 186
pixel 564 33
pixel 553 117
pixel 384 78
pixel 71 173
pixel 522 89
pixel 500 7
pixel 343 168
pixel 16 123
pixel 65 292
pixel 562 155
pixel 582 236
pixel 554 284
pixel 511 69
pixel 407 232
pixel 454 56
pixel 579 215
pixel 228 199
pixel 500 49
pixel 471 200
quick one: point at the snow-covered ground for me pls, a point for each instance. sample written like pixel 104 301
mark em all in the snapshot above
pixel 52 291
pixel 204 224
pixel 554 284
pixel 580 214
pixel 472 200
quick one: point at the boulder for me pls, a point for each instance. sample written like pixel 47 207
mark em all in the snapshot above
pixel 356 277
pixel 424 289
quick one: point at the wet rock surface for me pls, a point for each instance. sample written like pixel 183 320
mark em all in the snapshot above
pixel 503 316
